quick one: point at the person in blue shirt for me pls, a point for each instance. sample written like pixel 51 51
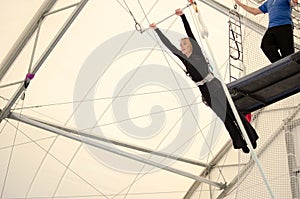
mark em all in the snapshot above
pixel 191 55
pixel 278 40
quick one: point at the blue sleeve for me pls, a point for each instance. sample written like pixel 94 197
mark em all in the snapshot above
pixel 264 7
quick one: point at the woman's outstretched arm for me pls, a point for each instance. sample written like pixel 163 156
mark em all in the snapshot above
pixel 166 41
pixel 186 24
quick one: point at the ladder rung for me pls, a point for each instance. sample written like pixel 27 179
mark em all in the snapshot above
pixel 239 59
pixel 238 34
pixel 239 42
pixel 231 77
pixel 237 68
pixel 235 49
pixel 230 64
pixel 237 25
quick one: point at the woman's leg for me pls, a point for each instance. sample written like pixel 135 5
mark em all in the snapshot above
pixel 218 102
pixel 285 39
pixel 220 105
pixel 251 132
pixel 270 47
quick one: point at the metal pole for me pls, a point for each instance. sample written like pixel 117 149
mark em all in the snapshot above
pixel 115 142
pixel 24 37
pixel 39 63
pixel 252 152
pixel 292 163
pixel 246 21
pixel 206 171
pixel 114 150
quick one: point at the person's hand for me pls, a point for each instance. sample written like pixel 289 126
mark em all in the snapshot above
pixel 294 2
pixel 178 12
pixel 153 26
pixel 238 2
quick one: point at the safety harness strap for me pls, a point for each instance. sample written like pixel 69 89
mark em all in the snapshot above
pixel 208 78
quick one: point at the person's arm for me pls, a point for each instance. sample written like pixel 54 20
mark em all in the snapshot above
pixel 186 24
pixel 249 9
pixel 187 27
pixel 166 41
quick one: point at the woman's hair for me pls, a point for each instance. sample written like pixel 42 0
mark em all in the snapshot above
pixel 183 38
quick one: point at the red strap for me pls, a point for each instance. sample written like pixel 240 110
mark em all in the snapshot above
pixel 248 117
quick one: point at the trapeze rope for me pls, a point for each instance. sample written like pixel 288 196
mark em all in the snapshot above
pixel 138 27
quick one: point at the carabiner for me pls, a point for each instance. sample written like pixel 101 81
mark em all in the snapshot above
pixel 138 27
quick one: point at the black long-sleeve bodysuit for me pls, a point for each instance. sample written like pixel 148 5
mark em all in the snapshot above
pixel 212 92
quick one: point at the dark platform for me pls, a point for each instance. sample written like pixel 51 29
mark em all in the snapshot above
pixel 268 85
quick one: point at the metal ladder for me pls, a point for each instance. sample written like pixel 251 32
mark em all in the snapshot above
pixel 296 22
pixel 235 46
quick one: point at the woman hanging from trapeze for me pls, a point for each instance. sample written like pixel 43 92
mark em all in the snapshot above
pixel 211 89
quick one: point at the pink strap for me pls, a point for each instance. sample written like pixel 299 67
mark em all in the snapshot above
pixel 30 76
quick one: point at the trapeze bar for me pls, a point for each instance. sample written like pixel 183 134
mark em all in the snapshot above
pixel 116 151
pixel 142 31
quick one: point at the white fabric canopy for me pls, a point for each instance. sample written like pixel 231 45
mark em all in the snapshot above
pixel 106 79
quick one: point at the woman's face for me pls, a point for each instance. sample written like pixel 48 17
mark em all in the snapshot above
pixel 186 46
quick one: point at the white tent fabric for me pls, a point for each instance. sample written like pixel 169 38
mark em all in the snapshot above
pixel 106 79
